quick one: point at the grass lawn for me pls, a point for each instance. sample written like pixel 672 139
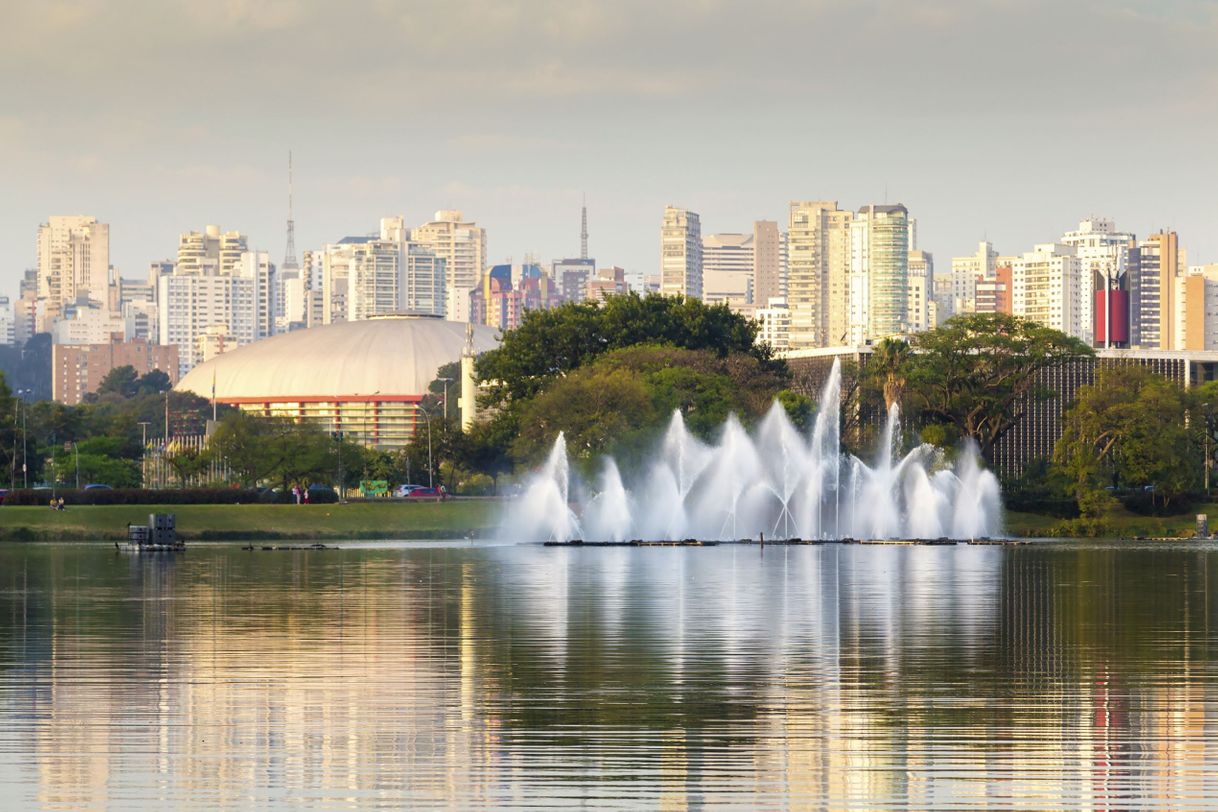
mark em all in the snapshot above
pixel 396 519
pixel 1119 522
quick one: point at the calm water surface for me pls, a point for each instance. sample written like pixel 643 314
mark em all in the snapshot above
pixel 1039 677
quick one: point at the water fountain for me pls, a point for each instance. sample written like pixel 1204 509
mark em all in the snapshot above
pixel 775 482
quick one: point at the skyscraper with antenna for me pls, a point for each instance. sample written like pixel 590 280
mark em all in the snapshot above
pixel 289 254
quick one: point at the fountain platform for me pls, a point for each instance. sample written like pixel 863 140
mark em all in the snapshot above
pixel 793 542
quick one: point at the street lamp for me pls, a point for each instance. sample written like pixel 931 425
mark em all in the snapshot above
pixel 430 474
pixel 1207 449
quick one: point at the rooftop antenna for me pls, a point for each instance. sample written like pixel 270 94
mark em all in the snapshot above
pixel 583 229
pixel 289 255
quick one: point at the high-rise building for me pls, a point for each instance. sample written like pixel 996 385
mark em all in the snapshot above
pixel 769 265
pixel 774 324
pixel 1154 293
pixel 967 272
pixel 195 305
pixel 257 265
pixel 462 246
pixel 681 253
pixel 424 288
pixel 818 263
pixel 73 264
pixel 942 299
pixel 879 272
pixel 78 369
pixel 86 324
pixel 1196 309
pixel 1106 263
pixel 921 289
pixel 607 282
pixel 8 322
pixel 994 295
pixel 572 275
pixel 728 268
pixel 507 291
pixel 210 251
pixel 1045 287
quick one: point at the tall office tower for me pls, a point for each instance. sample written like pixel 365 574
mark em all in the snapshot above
pixel 727 268
pixel 879 272
pixel 966 271
pixel 423 290
pixel 768 276
pixel 1155 291
pixel 818 264
pixel 1106 262
pixel 1045 287
pixel 462 246
pixel 210 251
pixel 257 267
pixel 681 253
pixel 921 289
pixel 73 264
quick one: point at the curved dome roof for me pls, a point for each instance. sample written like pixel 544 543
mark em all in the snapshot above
pixel 387 355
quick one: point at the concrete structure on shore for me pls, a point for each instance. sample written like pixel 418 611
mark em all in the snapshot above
pixel 363 378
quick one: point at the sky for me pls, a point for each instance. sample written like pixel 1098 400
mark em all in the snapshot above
pixel 1007 120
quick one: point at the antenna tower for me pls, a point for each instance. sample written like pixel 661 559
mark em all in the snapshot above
pixel 289 255
pixel 583 230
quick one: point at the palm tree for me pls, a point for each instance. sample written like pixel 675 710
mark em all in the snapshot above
pixel 889 361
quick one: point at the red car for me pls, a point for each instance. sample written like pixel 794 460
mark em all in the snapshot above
pixel 438 493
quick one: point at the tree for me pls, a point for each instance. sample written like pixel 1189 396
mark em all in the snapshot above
pixel 551 343
pixel 153 382
pixel 979 373
pixel 120 381
pixel 188 463
pixel 888 366
pixel 1127 429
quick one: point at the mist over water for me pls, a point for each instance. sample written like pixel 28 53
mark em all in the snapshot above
pixel 774 482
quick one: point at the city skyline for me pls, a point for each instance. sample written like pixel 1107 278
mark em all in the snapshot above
pixel 590 100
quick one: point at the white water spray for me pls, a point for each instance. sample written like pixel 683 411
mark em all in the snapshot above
pixel 774 482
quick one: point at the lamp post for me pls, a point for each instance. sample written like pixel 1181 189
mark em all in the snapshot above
pixel 430 474
pixel 25 410
pixel 76 450
pixel 1207 449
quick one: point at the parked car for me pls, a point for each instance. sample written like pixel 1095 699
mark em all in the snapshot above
pixel 437 492
pixel 97 486
pixel 402 491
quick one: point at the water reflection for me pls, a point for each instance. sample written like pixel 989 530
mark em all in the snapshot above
pixel 1034 677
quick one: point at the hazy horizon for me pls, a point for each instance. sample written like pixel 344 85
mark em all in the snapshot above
pixel 990 119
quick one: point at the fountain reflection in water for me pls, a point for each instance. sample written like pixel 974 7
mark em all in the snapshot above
pixel 776 482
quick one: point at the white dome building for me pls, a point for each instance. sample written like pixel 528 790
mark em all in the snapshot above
pixel 363 378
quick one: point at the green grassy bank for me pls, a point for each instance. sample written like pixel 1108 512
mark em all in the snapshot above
pixel 1116 523
pixel 397 519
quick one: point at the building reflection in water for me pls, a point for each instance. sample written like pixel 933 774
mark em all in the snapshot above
pixel 1050 677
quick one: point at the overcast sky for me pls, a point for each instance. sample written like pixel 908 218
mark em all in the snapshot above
pixel 1006 119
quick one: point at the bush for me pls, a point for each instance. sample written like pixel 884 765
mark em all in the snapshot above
pixel 477 485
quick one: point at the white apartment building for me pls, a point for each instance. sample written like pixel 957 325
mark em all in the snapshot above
pixel 681 253
pixel 774 323
pixel 462 247
pixel 728 268
pixel 879 273
pixel 966 271
pixel 210 251
pixel 192 306
pixel 1196 310
pixel 8 321
pixel 89 325
pixel 1045 287
pixel 921 290
pixel 424 290
pixel 73 264
pixel 818 273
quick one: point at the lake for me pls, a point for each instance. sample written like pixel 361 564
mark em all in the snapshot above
pixel 1046 676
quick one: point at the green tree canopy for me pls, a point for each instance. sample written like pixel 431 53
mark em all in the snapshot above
pixel 550 343
pixel 978 373
pixel 121 381
pixel 1128 429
